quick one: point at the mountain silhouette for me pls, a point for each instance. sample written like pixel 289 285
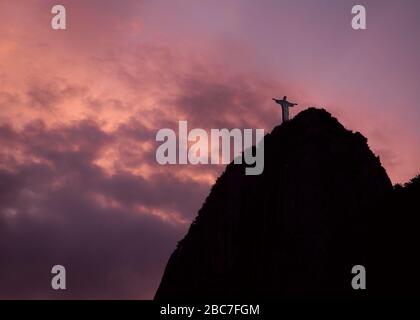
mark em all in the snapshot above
pixel 322 205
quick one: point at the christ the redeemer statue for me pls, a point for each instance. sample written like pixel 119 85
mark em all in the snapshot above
pixel 285 105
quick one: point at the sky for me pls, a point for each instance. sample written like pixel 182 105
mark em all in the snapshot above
pixel 80 109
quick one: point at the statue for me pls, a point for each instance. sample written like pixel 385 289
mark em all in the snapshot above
pixel 285 105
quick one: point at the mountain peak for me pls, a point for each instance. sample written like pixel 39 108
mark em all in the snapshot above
pixel 313 120
pixel 296 229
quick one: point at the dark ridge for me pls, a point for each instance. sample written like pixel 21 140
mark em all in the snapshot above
pixel 320 207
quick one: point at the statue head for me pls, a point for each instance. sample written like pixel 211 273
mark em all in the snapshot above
pixel 284 98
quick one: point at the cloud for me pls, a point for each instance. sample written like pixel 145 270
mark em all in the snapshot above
pixel 112 232
pixel 108 253
pixel 49 95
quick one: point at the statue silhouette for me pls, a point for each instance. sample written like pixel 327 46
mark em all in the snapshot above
pixel 285 105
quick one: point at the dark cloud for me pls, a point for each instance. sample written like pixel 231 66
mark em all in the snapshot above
pixel 50 94
pixel 108 253
pixel 233 102
pixel 58 207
